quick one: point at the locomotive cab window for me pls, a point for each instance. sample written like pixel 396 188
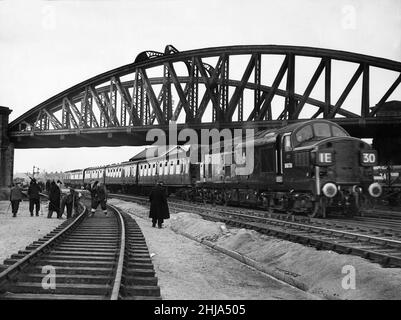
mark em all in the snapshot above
pixel 318 131
pixel 304 134
pixel 322 130
pixel 338 132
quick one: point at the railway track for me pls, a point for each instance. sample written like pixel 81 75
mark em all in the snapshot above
pixel 90 258
pixel 375 242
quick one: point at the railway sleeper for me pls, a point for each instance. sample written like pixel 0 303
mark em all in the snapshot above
pixel 72 263
pixel 137 280
pixel 140 290
pixel 80 252
pixel 139 265
pixel 107 259
pixel 139 259
pixel 137 298
pixel 67 278
pixel 74 270
pixel 63 288
pixel 139 272
pixel 89 243
pixel 32 296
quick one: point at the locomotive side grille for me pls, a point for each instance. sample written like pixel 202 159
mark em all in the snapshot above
pixel 302 159
pixel 347 161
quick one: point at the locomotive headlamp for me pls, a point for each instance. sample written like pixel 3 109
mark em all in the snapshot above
pixel 375 190
pixel 329 190
pixel 324 158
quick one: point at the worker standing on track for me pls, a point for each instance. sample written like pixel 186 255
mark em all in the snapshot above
pixel 34 197
pixel 158 205
pixel 71 202
pixel 54 200
pixel 99 196
pixel 15 198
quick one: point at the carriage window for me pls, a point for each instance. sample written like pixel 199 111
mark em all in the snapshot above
pixel 304 134
pixel 338 132
pixel 322 130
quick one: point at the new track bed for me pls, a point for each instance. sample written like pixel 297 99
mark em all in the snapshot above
pixel 89 258
pixel 378 241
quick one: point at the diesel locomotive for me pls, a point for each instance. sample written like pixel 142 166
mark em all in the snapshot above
pixel 305 167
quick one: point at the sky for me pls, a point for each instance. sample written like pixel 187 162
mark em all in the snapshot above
pixel 48 46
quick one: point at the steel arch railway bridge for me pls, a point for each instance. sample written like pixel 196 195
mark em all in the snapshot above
pixel 197 89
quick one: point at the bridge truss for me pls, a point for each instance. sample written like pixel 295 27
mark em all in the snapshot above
pixel 207 88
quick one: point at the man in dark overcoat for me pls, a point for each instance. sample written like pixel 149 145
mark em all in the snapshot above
pixel 158 205
pixel 34 191
pixel 54 200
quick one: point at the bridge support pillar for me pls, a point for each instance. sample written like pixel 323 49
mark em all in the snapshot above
pixel 6 155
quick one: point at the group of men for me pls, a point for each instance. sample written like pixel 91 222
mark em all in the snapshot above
pixel 158 200
pixel 57 203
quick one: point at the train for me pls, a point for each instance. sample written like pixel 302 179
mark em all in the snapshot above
pixel 389 177
pixel 309 167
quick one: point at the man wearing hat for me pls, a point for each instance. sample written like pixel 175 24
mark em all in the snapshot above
pixel 34 197
pixel 158 205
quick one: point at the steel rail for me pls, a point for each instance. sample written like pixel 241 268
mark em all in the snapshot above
pixel 120 264
pixel 21 264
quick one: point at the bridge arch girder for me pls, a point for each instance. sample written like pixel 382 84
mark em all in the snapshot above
pixel 130 96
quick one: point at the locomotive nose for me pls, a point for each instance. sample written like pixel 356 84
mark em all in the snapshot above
pixel 375 190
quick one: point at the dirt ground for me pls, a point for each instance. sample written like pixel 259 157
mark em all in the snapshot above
pixel 189 270
pixel 180 261
pixel 17 233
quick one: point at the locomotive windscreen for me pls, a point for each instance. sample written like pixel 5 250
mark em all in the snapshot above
pixel 317 131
